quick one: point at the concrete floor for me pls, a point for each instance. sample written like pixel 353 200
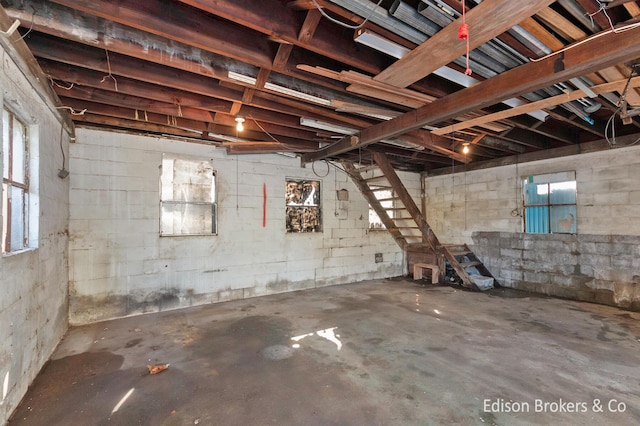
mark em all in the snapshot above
pixel 389 352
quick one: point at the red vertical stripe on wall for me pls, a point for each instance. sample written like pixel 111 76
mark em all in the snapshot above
pixel 264 205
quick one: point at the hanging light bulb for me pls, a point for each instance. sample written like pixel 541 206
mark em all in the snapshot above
pixel 465 148
pixel 239 124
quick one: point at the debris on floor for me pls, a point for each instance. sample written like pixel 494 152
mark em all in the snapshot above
pixel 483 283
pixel 157 368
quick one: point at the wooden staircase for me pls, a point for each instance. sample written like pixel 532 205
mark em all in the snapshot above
pixel 404 220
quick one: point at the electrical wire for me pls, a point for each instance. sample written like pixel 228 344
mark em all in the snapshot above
pixel 33 15
pixel 110 74
pixel 263 129
pixel 313 168
pixel 611 125
pixel 55 83
pixel 335 21
pixel 602 9
pixel 73 111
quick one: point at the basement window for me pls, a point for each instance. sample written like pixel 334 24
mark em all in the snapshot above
pixel 15 184
pixel 187 196
pixel 385 197
pixel 550 203
pixel 303 213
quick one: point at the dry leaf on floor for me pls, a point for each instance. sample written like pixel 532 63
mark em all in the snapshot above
pixel 155 369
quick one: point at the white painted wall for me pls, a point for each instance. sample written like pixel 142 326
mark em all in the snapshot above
pixel 486 200
pixel 33 283
pixel 120 266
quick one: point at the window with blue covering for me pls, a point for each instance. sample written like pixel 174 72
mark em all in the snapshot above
pixel 550 203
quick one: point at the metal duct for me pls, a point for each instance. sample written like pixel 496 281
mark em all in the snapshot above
pixel 494 54
pixel 407 14
pixel 435 14
pixel 532 43
pixel 380 16
pixel 579 14
pixel 482 60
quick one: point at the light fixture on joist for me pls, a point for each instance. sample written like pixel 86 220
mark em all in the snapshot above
pixel 239 124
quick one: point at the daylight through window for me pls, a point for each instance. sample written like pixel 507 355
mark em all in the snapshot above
pixel 187 197
pixel 550 203
pixel 385 197
pixel 15 184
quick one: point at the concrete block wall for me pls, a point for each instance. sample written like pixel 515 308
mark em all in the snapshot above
pixel 34 282
pixel 483 208
pixel 594 268
pixel 119 265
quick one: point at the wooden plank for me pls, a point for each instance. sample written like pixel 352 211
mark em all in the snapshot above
pixel 534 106
pixel 486 21
pixel 273 18
pixel 181 25
pixel 615 73
pixel 561 25
pixel 309 25
pixel 20 53
pixel 593 9
pixel 576 149
pixel 365 85
pixel 573 62
pixel 377 93
pixel 282 56
pixel 540 32
pixel 632 8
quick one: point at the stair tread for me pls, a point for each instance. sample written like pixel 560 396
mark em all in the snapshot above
pixel 374 178
pixel 367 168
pixel 460 253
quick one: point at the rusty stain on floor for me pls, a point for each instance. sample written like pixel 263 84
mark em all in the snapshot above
pixel 387 352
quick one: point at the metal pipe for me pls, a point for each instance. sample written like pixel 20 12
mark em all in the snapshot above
pixel 532 43
pixel 579 14
pixel 410 16
pixel 380 16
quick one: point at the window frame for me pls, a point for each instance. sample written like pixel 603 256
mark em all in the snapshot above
pixel 175 202
pixel 9 182
pixel 549 205
pixel 290 205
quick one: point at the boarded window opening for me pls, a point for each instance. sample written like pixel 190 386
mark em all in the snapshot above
pixel 303 213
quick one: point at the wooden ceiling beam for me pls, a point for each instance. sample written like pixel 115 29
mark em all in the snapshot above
pixel 273 18
pixel 534 106
pixel 277 124
pixel 309 26
pixel 573 62
pixel 190 89
pixel 182 25
pixel 96 59
pixel 70 25
pixel 487 20
pixel 132 102
pixel 142 126
pixel 593 9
